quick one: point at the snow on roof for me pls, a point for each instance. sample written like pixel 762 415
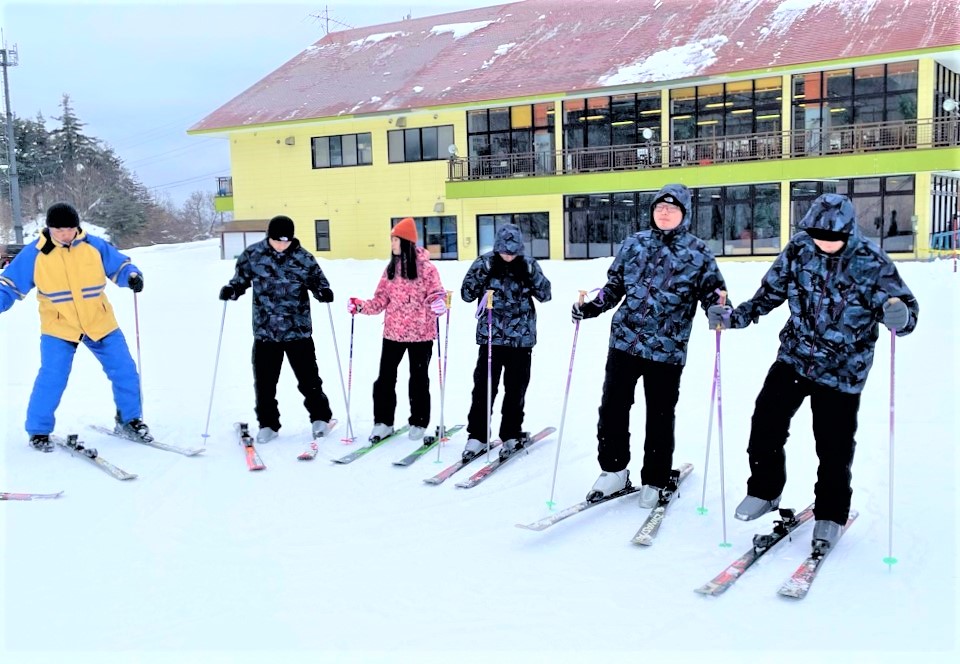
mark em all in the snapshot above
pixel 542 47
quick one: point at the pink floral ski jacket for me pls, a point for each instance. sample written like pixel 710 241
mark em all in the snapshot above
pixel 407 303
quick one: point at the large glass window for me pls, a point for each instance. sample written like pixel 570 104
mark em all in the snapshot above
pixel 513 139
pixel 438 235
pixel 826 105
pixel 535 227
pixel 884 206
pixel 422 144
pixel 740 220
pixel 344 150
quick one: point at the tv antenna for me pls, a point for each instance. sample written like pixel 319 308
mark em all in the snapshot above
pixel 325 20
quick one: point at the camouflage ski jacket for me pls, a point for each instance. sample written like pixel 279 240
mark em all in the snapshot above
pixel 282 283
pixel 660 276
pixel 836 300
pixel 514 285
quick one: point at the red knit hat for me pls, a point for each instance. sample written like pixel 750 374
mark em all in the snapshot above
pixel 406 229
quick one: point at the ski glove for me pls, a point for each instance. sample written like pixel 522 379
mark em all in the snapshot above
pixel 325 295
pixel 135 282
pixel 586 310
pixel 895 314
pixel 354 305
pixel 438 306
pixel 228 293
pixel 718 316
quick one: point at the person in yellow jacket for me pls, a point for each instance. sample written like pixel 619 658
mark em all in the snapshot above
pixel 69 269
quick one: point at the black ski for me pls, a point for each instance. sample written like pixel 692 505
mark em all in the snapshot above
pixel 648 531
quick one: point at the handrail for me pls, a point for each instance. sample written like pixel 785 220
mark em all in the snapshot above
pixel 837 140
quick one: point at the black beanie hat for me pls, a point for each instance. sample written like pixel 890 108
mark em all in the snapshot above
pixel 280 228
pixel 62 215
pixel 666 197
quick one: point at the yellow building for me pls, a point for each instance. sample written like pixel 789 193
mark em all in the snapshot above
pixel 565 118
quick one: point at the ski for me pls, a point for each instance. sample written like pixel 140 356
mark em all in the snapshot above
pixel 310 453
pixel 798 585
pixel 254 462
pixel 429 442
pixel 449 471
pixel 75 446
pixel 548 521
pixel 782 529
pixel 372 445
pixel 488 470
pixel 5 495
pixel 651 526
pixel 185 451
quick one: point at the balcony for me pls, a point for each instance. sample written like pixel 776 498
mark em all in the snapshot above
pixel 223 201
pixel 839 140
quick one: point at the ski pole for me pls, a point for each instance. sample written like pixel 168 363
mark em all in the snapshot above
pixel 489 368
pixel 136 327
pixel 216 363
pixel 566 396
pixel 443 386
pixel 890 560
pixel 350 377
pixel 713 399
pixel 336 351
pixel 723 494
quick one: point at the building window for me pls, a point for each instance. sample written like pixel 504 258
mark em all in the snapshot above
pixel 738 220
pixel 514 139
pixel 867 95
pixel 535 227
pixel 725 109
pixel 884 206
pixel 438 235
pixel 322 230
pixel 595 225
pixel 344 150
pixel 422 144
pixel 605 121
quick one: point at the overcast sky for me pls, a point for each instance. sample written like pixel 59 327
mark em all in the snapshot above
pixel 140 75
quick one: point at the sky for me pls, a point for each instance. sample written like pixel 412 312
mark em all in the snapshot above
pixel 200 560
pixel 139 75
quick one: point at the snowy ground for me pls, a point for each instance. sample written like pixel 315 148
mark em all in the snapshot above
pixel 200 560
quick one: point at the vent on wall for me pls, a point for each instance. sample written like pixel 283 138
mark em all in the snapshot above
pixel 290 140
pixel 401 121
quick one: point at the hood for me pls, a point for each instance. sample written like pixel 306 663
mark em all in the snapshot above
pixel 830 212
pixel 681 196
pixel 509 240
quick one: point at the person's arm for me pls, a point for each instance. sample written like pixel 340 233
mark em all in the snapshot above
pixel 116 265
pixel 771 294
pixel 17 279
pixel 476 280
pixel 540 287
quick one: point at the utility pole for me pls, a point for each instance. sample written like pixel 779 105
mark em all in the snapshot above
pixel 8 58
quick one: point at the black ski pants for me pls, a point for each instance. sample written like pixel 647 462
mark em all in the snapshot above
pixel 661 390
pixel 834 425
pixel 385 387
pixel 514 365
pixel 267 361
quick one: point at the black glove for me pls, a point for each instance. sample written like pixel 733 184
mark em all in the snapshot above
pixel 586 310
pixel 325 295
pixel 135 282
pixel 228 293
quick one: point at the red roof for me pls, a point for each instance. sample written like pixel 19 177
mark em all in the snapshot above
pixel 555 46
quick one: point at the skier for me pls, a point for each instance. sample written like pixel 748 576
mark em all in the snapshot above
pixel 838 285
pixel 412 297
pixel 515 279
pixel 660 274
pixel 70 269
pixel 282 274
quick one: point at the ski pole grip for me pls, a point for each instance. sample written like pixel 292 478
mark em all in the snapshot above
pixel 583 295
pixel 723 296
pixel 447 298
pixel 490 299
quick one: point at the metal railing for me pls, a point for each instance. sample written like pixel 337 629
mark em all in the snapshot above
pixel 847 139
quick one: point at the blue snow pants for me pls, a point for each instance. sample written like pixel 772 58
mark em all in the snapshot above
pixel 56 360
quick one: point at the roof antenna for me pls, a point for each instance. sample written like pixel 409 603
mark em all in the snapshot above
pixel 325 21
